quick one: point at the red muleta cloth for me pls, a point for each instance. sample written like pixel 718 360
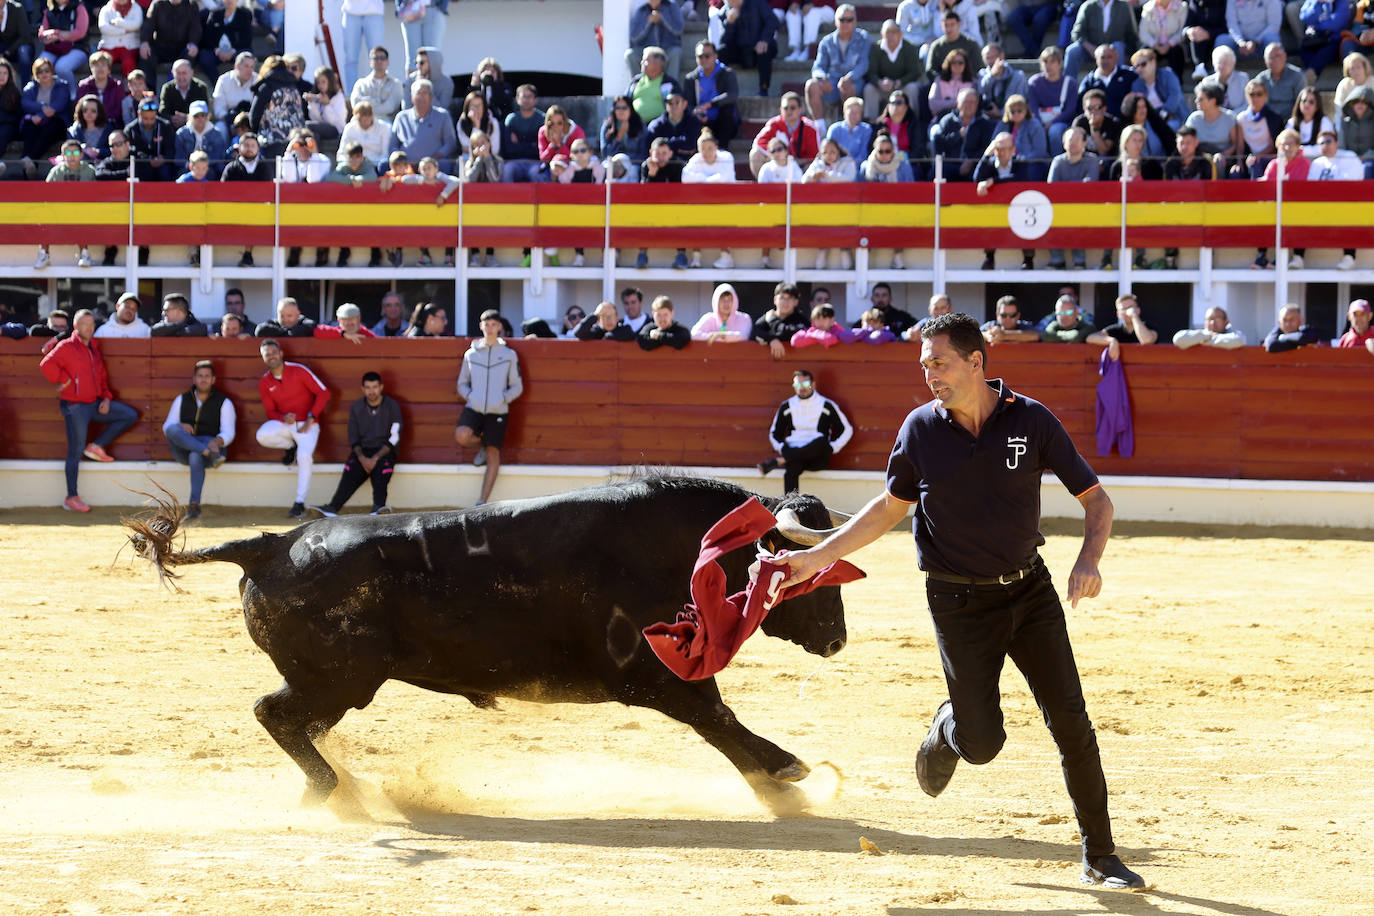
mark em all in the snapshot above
pixel 709 631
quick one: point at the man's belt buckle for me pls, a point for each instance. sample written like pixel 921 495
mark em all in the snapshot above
pixel 1009 578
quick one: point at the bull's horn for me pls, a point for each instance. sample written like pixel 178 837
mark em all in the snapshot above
pixel 791 527
pixel 838 518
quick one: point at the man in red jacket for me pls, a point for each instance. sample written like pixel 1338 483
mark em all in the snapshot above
pixel 294 398
pixel 84 397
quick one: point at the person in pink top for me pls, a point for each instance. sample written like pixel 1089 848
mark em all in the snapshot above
pixel 823 331
pixel 725 322
pixel 1295 168
pixel 1361 334
pixel 557 135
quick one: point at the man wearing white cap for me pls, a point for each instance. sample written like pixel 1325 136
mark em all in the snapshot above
pixel 350 325
pixel 125 322
pixel 1361 334
pixel 200 135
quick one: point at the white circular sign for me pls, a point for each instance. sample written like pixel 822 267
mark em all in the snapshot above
pixel 1030 215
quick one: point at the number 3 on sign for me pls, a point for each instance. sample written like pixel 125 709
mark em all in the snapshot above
pixel 1030 215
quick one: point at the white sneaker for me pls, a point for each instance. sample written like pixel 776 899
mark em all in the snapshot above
pixel 43 259
pixel 580 261
pixel 490 261
pixel 898 262
pixel 798 55
pixel 1346 263
pixel 767 263
pixel 695 262
pixel 1199 71
pixel 846 262
pixel 821 256
pixel 84 258
pixel 726 261
pixel 1295 262
pixel 475 260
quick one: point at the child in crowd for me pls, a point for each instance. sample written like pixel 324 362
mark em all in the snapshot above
pixel 823 331
pixel 138 87
pixel 874 331
pixel 780 168
pixel 431 176
pixel 482 166
pixel 197 171
pixel 400 170
pixel 580 168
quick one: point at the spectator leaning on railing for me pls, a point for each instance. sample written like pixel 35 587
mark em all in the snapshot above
pixel 663 330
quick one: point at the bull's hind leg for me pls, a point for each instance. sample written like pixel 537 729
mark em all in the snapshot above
pixel 293 717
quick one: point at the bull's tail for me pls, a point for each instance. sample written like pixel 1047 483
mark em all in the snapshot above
pixel 153 536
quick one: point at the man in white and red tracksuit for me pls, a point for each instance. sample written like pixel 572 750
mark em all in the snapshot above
pixel 807 430
pixel 84 397
pixel 294 398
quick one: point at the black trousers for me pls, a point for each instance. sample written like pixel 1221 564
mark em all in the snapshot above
pixel 813 456
pixel 746 57
pixel 354 476
pixel 977 627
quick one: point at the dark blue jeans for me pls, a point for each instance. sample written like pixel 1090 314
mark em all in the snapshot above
pixel 186 449
pixel 79 417
pixel 977 627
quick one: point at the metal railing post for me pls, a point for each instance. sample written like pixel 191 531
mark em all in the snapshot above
pixel 938 264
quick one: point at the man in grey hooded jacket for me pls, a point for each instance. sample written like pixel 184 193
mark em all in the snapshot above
pixel 487 383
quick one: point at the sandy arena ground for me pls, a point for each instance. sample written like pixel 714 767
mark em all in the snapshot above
pixel 1229 673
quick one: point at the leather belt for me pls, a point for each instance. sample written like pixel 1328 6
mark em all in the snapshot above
pixel 1010 578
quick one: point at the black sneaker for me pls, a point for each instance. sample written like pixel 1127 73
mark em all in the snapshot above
pixel 376 259
pixel 936 760
pixel 293 257
pixel 766 466
pixel 142 255
pixel 288 458
pixel 326 511
pixel 321 257
pixel 1106 262
pixel 109 259
pixel 344 255
pixel 1110 873
pixel 297 510
pixel 381 510
pixel 397 257
pixel 989 263
pixel 246 260
pixel 192 511
pixel 1028 263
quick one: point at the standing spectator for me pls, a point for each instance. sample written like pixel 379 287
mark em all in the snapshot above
pixel 996 167
pixel 632 300
pixel 1228 77
pixel 171 29
pixel 488 382
pixel 1074 164
pixel 955 76
pixel 199 428
pixel 521 138
pixel 374 436
pixel 1129 328
pixel 363 27
pixel 747 39
pixel 201 136
pixel 233 92
pixel 1030 146
pixel 1357 126
pixel 663 330
pixel 46 103
pixel 152 143
pixel 572 317
pixel 293 398
pixel 1310 121
pixel 961 137
pixel 712 91
pixel 1207 19
pixel 423 130
pixel 226 32
pixel 103 85
pixel 1291 332
pixel 91 128
pixel 998 81
pixel 841 65
pixel 125 322
pixel 782 321
pixel 373 135
pixel 177 320
pixel 883 164
pixel 1282 81
pixel 393 321
pixel 919 21
pixel 1215 126
pixel 383 90
pixel 725 323
pixel 656 24
pixel 853 132
pixel 232 327
pixel 477 119
pixel 1216 332
pixel 1160 87
pixel 16 35
pixel 1101 22
pixel 62 34
pixel 953 39
pixel 798 134
pixel 174 101
pixel 676 125
pixel 76 367
pixel 429 65
pixel 326 107
pixel 1251 26
pixel 807 431
pixel 278 108
pixel 490 80
pixel 1009 326
pixel 288 323
pixel 896 320
pixel 622 133
pixel 423 24
pixel 1360 333
pixel 1054 96
pixel 1162 24
pixel 872 331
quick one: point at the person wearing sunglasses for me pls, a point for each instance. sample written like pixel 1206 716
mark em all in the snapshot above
pixel 808 430
pixel 1008 326
pixel 841 66
pixel 712 89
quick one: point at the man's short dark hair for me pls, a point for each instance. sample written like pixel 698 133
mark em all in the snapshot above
pixel 269 342
pixel 60 313
pixel 1188 130
pixel 878 286
pixel 382 51
pixel 372 377
pixel 804 373
pixel 632 291
pixel 529 86
pixel 233 291
pixel 787 289
pixel 1008 300
pixel 963 333
pixel 490 314
pixel 204 364
pixel 950 14
pixel 1095 95
pixel 178 300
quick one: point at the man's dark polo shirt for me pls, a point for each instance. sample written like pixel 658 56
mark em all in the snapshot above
pixel 1121 333
pixel 978 500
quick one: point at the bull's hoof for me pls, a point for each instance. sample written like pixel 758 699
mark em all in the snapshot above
pixel 782 799
pixel 795 771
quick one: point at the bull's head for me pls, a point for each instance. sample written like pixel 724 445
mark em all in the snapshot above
pixel 814 621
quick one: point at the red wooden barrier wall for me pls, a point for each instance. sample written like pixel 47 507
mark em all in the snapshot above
pixel 1208 413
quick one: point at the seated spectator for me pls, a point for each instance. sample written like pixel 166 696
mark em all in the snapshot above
pixel 304 164
pixel 1334 165
pixel 177 320
pixel 118 166
pixel 62 35
pixel 853 133
pixel 1112 80
pixel 783 320
pixel 661 168
pixel 379 87
pixel 482 167
pixel 883 164
pixel 171 29
pixel 999 165
pixel 663 330
pixel 1355 71
pixel 1129 328
pixel 1098 25
pixel 231 327
pixel 489 79
pixel 676 125
pixel 1030 148
pixel 898 321
pixel 225 33
pixel 1054 96
pixel 1137 111
pixel 1101 127
pixel 648 90
pixel 174 101
pixel 103 85
pixel 894 65
pixel 423 130
pixel 1009 326
pixel 476 117
pixel 199 427
pixel 429 65
pixel 1206 20
pixel 1215 126
pixel 1134 147
pixel 1282 81
pixel 953 39
pixel 872 330
pixel 121 24
pixel 326 108
pixel 841 65
pixel 572 317
pixel 136 84
pixel 900 123
pixel 799 134
pixel 604 324
pixel 430 319
pixel 823 331
pixel 807 431
pixel 233 92
pixel 1295 167
pixel 622 133
pixel 355 170
pixel 1291 332
pixel 11 106
pixel 804 21
pixel 279 105
pixel 998 81
pixel 955 76
pixel 1360 333
pixel 961 137
pixel 748 38
pixel 125 323
pixel 46 104
pixel 1215 332
pixel 1325 26
pixel 656 24
pixel 710 165
pixel 1357 126
pixel 1161 28
pixel 372 135
pixel 724 323
pixel 1029 20
pixel 781 168
pixel 520 139
pixel 1258 127
pixel 71 168
pixel 1074 164
pixel 91 128
pixel 1231 79
pixel 1068 325
pixel 832 166
pixel 350 326
pixel 1189 164
pixel 248 164
pixel 393 322
pixel 1310 121
pixel 288 323
pixel 199 135
pixel 1160 87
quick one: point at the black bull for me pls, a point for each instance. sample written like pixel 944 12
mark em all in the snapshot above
pixel 538 599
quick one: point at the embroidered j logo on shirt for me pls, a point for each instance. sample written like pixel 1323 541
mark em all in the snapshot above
pixel 1018 447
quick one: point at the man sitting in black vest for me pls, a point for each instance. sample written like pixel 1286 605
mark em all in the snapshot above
pixel 199 428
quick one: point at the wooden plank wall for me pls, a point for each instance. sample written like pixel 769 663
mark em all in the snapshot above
pixel 1243 414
